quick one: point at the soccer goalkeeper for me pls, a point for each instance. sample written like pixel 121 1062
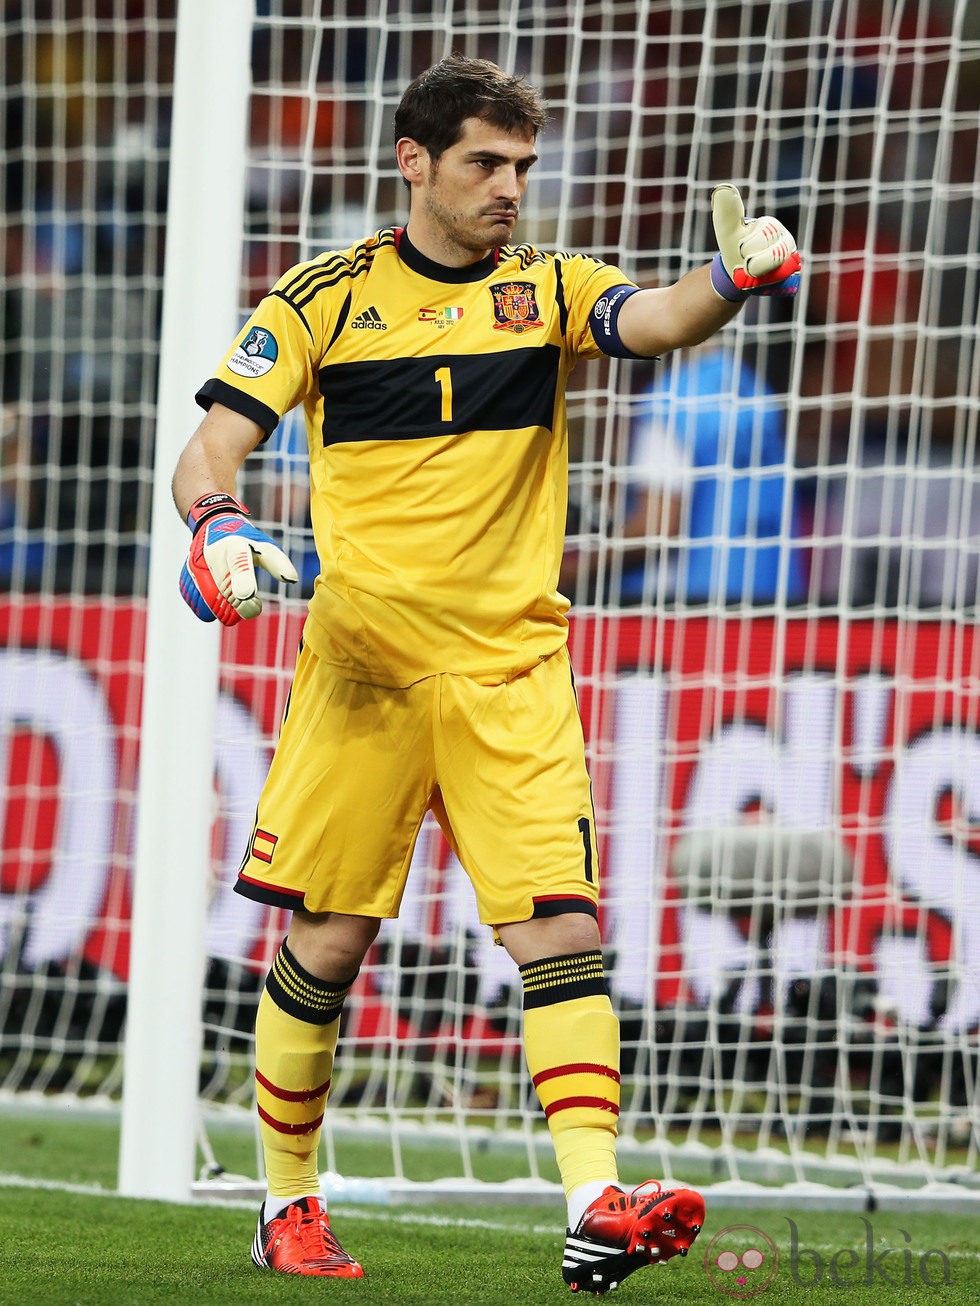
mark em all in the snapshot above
pixel 433 675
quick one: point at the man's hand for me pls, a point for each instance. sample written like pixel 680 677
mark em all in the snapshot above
pixel 756 257
pixel 218 578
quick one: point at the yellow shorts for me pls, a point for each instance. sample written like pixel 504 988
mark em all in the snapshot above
pixel 357 766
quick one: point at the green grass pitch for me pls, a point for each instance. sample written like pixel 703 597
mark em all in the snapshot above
pixel 66 1244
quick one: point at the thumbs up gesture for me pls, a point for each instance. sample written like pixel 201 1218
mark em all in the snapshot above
pixel 756 256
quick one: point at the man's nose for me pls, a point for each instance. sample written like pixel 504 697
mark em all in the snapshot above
pixel 510 184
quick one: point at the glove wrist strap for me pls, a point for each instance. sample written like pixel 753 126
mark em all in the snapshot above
pixel 723 284
pixel 211 505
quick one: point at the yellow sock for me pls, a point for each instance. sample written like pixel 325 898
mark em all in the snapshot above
pixel 571 1043
pixel 296 1033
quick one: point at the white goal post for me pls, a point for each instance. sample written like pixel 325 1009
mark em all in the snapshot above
pixel 175 812
pixel 773 558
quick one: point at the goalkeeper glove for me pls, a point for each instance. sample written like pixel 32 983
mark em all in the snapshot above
pixel 218 578
pixel 756 257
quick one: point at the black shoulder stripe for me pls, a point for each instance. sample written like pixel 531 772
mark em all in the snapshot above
pixel 324 281
pixel 333 270
pixel 527 254
pixel 319 276
pixel 333 263
pixel 277 294
pixel 565 255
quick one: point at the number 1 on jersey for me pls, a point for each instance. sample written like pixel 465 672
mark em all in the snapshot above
pixel 444 380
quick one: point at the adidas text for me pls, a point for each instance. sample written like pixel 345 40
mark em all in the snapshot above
pixel 369 320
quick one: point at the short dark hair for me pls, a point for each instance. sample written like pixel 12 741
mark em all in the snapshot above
pixel 434 106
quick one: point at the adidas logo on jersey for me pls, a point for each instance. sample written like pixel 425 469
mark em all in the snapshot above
pixel 369 320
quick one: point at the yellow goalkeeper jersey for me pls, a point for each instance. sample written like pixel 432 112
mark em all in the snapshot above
pixel 435 411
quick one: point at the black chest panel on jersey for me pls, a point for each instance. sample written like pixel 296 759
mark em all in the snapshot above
pixel 440 394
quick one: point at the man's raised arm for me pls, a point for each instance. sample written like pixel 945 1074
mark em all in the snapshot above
pixel 757 256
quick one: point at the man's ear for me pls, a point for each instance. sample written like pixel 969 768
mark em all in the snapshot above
pixel 411 158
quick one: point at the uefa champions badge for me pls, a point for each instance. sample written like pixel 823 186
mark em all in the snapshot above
pixel 256 355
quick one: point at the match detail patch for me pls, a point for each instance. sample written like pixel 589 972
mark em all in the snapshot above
pixel 440 318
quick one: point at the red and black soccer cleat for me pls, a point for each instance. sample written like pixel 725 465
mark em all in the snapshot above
pixel 300 1241
pixel 621 1232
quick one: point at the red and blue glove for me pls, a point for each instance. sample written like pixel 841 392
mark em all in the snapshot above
pixel 218 578
pixel 757 256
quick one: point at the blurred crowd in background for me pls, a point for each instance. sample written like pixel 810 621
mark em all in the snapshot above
pixel 825 454
pixel 819 456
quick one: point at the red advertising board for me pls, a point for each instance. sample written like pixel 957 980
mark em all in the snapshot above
pixel 866 732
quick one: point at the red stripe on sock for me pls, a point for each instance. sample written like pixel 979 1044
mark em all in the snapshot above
pixel 280 1126
pixel 575 1068
pixel 565 1103
pixel 285 1095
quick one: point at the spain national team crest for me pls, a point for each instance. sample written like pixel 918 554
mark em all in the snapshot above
pixel 515 307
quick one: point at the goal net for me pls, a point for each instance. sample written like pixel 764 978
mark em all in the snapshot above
pixel 773 549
